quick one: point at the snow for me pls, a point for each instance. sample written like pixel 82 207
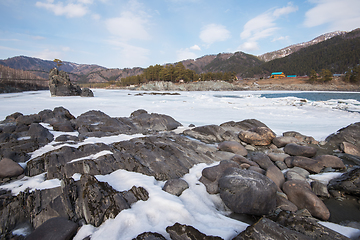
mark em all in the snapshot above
pixel 195 206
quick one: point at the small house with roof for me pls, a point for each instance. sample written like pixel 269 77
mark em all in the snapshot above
pixel 277 75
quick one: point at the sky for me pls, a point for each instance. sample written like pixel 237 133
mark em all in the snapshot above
pixel 139 33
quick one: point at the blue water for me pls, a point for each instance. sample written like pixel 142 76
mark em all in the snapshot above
pixel 315 96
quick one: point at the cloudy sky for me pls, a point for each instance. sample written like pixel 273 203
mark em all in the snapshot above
pixel 139 33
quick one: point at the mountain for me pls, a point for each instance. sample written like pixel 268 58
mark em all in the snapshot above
pixel 296 47
pixel 336 54
pixel 78 72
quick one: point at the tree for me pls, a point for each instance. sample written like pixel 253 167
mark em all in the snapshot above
pixel 58 62
pixel 326 75
pixel 313 76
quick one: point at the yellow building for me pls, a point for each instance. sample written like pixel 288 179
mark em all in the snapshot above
pixel 277 75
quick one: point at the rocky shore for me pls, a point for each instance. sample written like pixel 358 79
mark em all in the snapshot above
pixel 288 84
pixel 258 175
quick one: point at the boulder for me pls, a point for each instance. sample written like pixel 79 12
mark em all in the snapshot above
pixel 206 134
pixel 262 159
pixel 282 141
pixel 350 149
pixel 269 230
pixel 211 175
pixel 312 165
pixel 234 147
pixel 86 92
pixel 292 175
pixel 331 161
pixel 284 204
pixel 9 168
pixel 60 85
pixel 57 228
pixel 307 226
pixel 299 193
pixel 350 134
pixel 150 236
pixel 277 156
pixel 246 125
pixel 348 182
pixel 248 192
pixel 259 136
pixel 276 175
pixel 175 186
pixel 302 138
pixel 320 189
pixel 299 150
pixel 240 159
pixel 184 232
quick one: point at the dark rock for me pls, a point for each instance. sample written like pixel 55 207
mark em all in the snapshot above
pixel 308 227
pixel 28 119
pixel 350 149
pixel 40 134
pixel 206 134
pixel 292 175
pixel 269 230
pixel 86 92
pixel 330 161
pixel 234 147
pixel 9 168
pixel 60 85
pixel 55 229
pixel 262 159
pixel 298 150
pixel 277 156
pixel 240 159
pixel 257 169
pixel 348 182
pixel 300 194
pixel 309 164
pixel 249 192
pixel 284 204
pixel 175 186
pixel 348 134
pixel 281 165
pixel 211 175
pixel 320 189
pixel 150 236
pixel 184 232
pixel 282 141
pixel 246 125
pixel 259 136
pixel 276 175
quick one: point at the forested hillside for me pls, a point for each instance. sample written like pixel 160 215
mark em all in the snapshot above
pixel 336 54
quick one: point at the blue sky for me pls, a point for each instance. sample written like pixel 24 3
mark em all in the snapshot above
pixel 139 33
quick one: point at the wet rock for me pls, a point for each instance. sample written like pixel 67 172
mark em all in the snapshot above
pixel 249 192
pixel 9 168
pixel 262 159
pixel 308 227
pixel 348 182
pixel 300 194
pixel 184 232
pixel 211 175
pixel 234 147
pixel 282 141
pixel 150 236
pixel 55 229
pixel 175 186
pixel 270 230
pixel 259 136
pixel 206 134
pixel 320 189
pixel 298 150
pixel 350 149
pixel 276 175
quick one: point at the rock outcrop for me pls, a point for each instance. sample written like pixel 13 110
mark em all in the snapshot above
pixel 60 85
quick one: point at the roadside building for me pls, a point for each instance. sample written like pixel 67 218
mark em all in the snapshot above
pixel 277 75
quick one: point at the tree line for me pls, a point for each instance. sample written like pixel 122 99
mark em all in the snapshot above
pixel 175 73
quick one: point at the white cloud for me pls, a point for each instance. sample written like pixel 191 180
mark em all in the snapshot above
pixel 340 15
pixel 96 16
pixel 195 47
pixel 47 54
pixel 263 26
pixel 184 54
pixel 214 33
pixel 280 38
pixel 128 26
pixel 70 10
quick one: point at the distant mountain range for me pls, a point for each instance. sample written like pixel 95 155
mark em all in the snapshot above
pixel 335 51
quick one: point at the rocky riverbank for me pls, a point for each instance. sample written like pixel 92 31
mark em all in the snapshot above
pixel 288 84
pixel 257 174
